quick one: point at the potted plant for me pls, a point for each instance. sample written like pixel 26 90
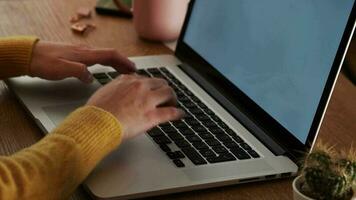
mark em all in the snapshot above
pixel 326 175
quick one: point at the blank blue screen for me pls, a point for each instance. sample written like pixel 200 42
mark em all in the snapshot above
pixel 278 52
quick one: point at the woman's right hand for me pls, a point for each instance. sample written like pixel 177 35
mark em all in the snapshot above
pixel 139 103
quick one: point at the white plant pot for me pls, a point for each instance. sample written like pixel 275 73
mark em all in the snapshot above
pixel 297 195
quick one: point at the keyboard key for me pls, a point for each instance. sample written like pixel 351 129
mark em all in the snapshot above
pixel 179 105
pixel 209 112
pixel 231 144
pixel 213 142
pixel 155 132
pixel 199 128
pixel 179 94
pixel 193 138
pixel 171 155
pixel 179 124
pixel 224 138
pixel 203 106
pixel 195 99
pixel 234 136
pixel 206 135
pixel 220 149
pixel 224 126
pixel 240 153
pixel 189 93
pixel 188 117
pixel 207 153
pixel 167 124
pixel 202 117
pixel 169 129
pixel 216 118
pixel 142 72
pixel 196 111
pixel 153 71
pixel 194 156
pixel 221 158
pixel 181 86
pixel 237 138
pixel 192 107
pixel 184 99
pixel 175 136
pixel 209 124
pixel 186 131
pixel 100 76
pixel 177 90
pixel 176 81
pixel 216 131
pixel 104 81
pixel 253 153
pixel 175 155
pixel 178 163
pixel 164 70
pixel 165 147
pixel 245 146
pixel 162 140
pixel 182 143
pixel 160 76
pixel 113 75
pixel 192 122
pixel 200 145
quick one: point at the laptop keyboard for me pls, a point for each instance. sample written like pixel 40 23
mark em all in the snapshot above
pixel 201 136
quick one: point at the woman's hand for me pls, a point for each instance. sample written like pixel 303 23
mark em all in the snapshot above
pixel 56 61
pixel 138 103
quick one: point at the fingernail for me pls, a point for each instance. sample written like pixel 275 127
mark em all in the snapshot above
pixel 88 78
pixel 133 65
pixel 182 113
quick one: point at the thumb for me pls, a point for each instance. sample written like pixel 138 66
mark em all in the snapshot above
pixel 75 69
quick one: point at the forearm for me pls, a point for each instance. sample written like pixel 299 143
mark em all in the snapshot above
pixel 55 166
pixel 15 55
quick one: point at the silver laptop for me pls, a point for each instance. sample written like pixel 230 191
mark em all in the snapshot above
pixel 254 77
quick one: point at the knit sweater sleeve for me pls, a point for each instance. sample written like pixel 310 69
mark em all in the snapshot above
pixel 56 165
pixel 15 55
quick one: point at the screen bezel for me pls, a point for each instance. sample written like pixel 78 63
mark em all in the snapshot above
pixel 246 105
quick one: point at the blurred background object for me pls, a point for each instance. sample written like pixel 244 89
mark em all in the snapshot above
pixel 120 8
pixel 159 20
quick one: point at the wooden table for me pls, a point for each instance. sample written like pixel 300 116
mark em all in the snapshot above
pixel 49 20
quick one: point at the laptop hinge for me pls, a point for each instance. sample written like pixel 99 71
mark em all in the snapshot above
pixel 252 127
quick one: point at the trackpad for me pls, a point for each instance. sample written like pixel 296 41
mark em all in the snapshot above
pixel 58 113
pixel 231 170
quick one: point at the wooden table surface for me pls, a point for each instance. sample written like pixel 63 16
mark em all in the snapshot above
pixel 49 20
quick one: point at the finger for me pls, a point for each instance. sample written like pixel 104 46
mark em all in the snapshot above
pixel 108 57
pixel 154 83
pixel 164 96
pixel 127 78
pixel 165 114
pixel 67 69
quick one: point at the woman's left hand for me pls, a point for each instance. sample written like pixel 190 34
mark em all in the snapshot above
pixel 56 61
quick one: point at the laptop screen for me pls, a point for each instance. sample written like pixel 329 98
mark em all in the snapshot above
pixel 278 52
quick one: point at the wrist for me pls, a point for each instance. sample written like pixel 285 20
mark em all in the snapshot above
pixel 96 132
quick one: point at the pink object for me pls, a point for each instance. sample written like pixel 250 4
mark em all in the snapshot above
pixel 159 20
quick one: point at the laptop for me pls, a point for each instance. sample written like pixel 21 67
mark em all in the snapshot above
pixel 255 79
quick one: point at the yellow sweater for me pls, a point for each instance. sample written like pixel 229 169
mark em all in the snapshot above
pixel 52 168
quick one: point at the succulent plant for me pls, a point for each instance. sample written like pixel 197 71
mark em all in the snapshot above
pixel 329 175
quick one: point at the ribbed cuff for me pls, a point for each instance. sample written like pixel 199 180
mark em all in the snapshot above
pixel 96 131
pixel 15 55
